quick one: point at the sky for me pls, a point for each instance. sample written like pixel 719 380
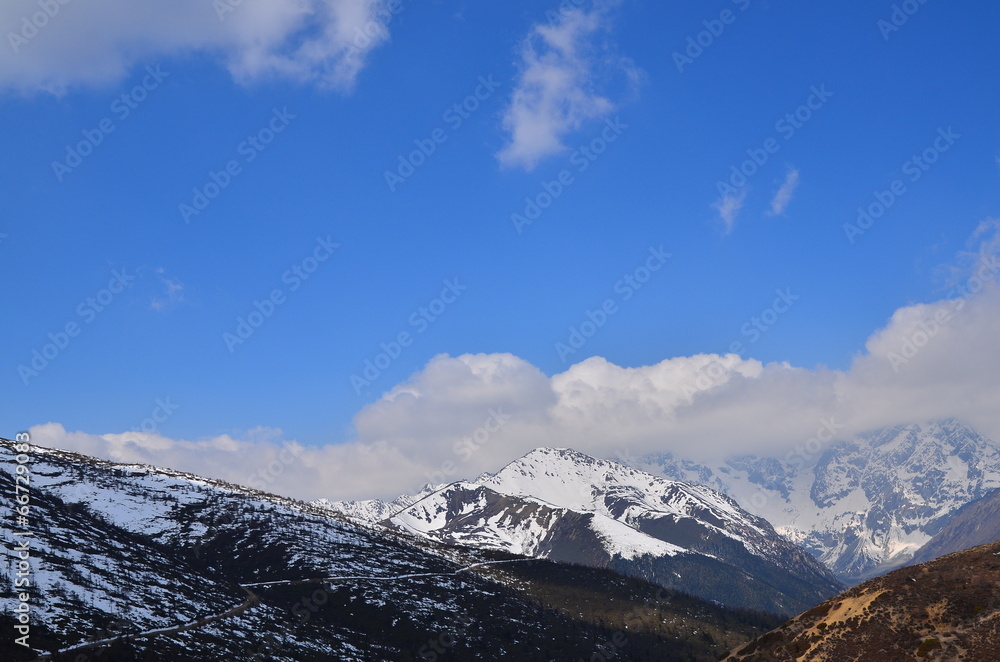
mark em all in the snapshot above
pixel 341 248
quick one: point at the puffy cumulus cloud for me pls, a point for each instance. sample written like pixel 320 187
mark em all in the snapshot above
pixel 323 42
pixel 563 64
pixel 706 406
pixel 451 397
pixel 932 361
pixel 938 359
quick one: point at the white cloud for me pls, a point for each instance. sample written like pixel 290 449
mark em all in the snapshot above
pixel 557 88
pixel 783 196
pixel 322 42
pixel 436 426
pixel 729 207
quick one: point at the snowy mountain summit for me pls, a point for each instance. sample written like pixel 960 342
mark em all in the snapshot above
pixel 563 505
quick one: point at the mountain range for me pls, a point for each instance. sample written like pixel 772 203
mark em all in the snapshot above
pixel 128 563
pixel 557 555
pixel 562 505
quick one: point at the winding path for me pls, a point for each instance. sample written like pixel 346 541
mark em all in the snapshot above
pixel 295 582
pixel 253 600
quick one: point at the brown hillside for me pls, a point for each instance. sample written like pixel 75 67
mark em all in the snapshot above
pixel 947 609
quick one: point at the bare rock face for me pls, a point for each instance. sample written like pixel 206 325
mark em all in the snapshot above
pixel 947 609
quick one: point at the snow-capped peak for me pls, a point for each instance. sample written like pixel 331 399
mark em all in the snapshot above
pixel 569 479
pixel 562 504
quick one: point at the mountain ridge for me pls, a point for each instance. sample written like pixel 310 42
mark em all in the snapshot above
pixel 561 504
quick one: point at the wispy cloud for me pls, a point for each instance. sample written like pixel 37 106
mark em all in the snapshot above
pixel 729 207
pixel 320 42
pixel 981 248
pixel 173 293
pixel 557 89
pixel 783 196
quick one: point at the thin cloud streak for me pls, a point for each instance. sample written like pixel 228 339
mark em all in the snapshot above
pixel 783 196
pixel 729 207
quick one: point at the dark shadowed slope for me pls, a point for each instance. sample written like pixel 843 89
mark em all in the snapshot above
pixel 976 523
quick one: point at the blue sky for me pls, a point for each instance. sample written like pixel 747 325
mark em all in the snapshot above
pixel 345 122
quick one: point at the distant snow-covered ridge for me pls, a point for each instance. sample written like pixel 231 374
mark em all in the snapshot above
pixel 862 505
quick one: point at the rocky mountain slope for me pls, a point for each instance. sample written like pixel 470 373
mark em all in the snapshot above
pixel 976 523
pixel 125 563
pixel 862 505
pixel 566 506
pixel 948 609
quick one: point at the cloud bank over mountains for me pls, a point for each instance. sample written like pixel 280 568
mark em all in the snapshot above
pixel 459 416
